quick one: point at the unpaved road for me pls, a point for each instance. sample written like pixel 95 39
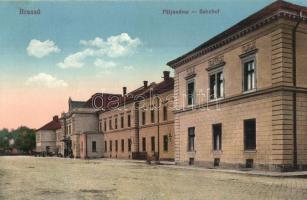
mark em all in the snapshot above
pixel 56 178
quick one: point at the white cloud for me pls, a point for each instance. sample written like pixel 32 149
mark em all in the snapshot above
pixel 46 80
pixel 41 49
pixel 104 64
pixel 121 45
pixel 129 68
pixel 114 46
pixel 76 60
pixel 97 42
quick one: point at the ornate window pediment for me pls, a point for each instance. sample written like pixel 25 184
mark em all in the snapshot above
pixel 190 73
pixel 248 49
pixel 216 62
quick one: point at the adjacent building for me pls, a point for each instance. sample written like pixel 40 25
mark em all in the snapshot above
pixel 46 136
pixel 241 97
pixel 139 125
pixel 134 125
pixel 80 136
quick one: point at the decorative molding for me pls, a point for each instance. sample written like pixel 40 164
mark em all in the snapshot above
pixel 228 38
pixel 249 47
pixel 190 73
pixel 190 76
pixel 216 62
pixel 249 53
pixel 266 91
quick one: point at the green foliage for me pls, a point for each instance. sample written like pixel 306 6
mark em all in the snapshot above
pixel 23 139
pixel 4 139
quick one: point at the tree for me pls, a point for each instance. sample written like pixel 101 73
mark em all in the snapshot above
pixel 23 139
pixel 4 139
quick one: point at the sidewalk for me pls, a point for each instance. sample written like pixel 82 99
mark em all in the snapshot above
pixel 296 174
pixel 250 172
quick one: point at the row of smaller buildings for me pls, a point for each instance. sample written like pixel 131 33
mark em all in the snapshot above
pixel 238 100
pixel 132 125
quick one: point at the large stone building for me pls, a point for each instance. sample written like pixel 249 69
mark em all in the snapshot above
pixel 46 136
pixel 241 97
pixel 79 136
pixel 140 124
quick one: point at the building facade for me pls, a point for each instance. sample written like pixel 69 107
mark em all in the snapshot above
pixel 127 132
pixel 81 127
pixel 60 147
pixel 241 97
pixel 46 136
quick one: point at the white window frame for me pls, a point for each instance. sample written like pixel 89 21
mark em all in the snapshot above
pixel 215 72
pixel 245 60
pixel 191 80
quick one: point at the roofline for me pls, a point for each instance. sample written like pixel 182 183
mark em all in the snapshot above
pixel 135 101
pixel 69 114
pixel 245 26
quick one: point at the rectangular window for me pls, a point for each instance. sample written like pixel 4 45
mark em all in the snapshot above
pixel 216 85
pixel 100 126
pixel 116 123
pixel 129 120
pixel 129 145
pixel 105 146
pixel 250 134
pixel 116 146
pixel 105 125
pixel 217 137
pixel 191 137
pixel 69 129
pixel 122 121
pixel 165 143
pixel 144 144
pixel 110 124
pixel 249 75
pixel 93 146
pixel 152 116
pixel 153 144
pixel 123 145
pixel 143 117
pixel 190 92
pixel 110 146
pixel 165 113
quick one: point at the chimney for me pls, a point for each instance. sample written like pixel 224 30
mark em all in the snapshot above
pixel 145 84
pixel 55 118
pixel 166 75
pixel 124 91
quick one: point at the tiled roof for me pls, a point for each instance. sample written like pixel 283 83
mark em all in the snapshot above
pixel 52 125
pixel 261 14
pixel 142 92
pixel 164 86
pixel 139 92
pixel 98 101
pixel 76 104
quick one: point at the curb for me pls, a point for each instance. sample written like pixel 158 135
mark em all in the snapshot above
pixel 301 174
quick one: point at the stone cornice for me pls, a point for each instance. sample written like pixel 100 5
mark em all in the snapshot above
pixel 69 114
pixel 156 124
pixel 245 96
pixel 226 39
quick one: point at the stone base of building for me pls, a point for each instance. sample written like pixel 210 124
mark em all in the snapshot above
pixel 242 166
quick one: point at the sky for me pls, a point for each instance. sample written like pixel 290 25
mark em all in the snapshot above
pixel 75 49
